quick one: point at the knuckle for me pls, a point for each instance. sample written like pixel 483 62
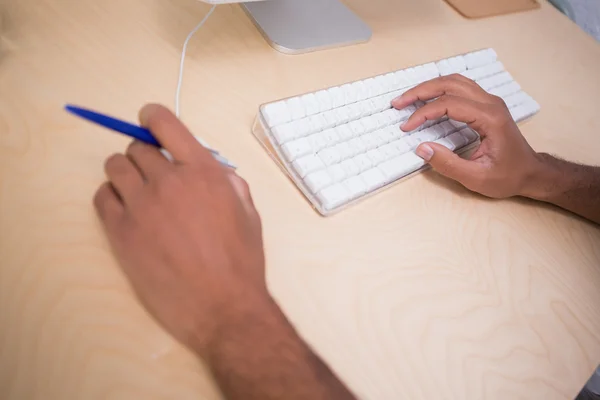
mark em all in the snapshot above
pixel 497 100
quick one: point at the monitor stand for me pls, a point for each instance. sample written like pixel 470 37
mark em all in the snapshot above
pixel 301 26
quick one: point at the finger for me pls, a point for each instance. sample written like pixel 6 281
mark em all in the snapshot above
pixel 243 191
pixel 456 108
pixel 173 135
pixel 455 85
pixel 451 165
pixel 108 205
pixel 124 176
pixel 148 159
pixel 241 187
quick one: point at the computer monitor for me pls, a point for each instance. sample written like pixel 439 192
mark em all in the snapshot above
pixel 301 26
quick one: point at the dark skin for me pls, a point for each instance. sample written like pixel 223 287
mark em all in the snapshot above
pixel 189 238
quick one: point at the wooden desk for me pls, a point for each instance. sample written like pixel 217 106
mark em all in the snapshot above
pixel 425 291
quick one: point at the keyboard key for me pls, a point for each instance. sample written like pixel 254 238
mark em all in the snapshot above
pixel 427 135
pixel 469 134
pixel 457 125
pixel 376 156
pixel 420 73
pixel 390 133
pixel 446 128
pixel 381 103
pixel 515 99
pixel 401 146
pixel 361 90
pixel 324 101
pixel 337 173
pixel 402 79
pixel 317 123
pixel 363 162
pixel 381 120
pixel 506 90
pixel 495 81
pixel 344 150
pixel 413 141
pixel 296 108
pixel 412 76
pixel 333 196
pixel 344 132
pixel 389 151
pixel 350 167
pixel 310 103
pixel 369 123
pixel 330 156
pixel 480 58
pixel 318 180
pixel 370 88
pixel 457 64
pixel 276 113
pixel 401 166
pixel 485 71
pixel 355 186
pixel 453 142
pixel 357 127
pixel 342 115
pixel 373 179
pixel 337 97
pixel 354 111
pixel 357 145
pixel 308 164
pixel 389 81
pixel 430 71
pixel 444 67
pixel 284 133
pixel 317 141
pixel 330 118
pixel 369 141
pixel 296 149
pixel 380 137
pixel 350 95
pixel 331 137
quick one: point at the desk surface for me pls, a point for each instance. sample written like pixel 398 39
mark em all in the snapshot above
pixel 422 292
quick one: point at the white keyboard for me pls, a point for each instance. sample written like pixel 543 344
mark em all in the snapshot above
pixel 344 143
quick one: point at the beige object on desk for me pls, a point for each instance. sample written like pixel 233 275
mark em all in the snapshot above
pixel 424 291
pixel 490 8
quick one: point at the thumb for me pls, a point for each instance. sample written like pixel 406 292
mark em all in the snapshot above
pixel 449 164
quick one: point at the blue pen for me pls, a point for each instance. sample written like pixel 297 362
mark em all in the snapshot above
pixel 131 130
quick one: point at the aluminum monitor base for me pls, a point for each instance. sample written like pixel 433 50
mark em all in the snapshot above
pixel 302 26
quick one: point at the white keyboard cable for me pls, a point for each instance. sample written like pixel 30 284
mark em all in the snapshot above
pixel 219 157
pixel 183 53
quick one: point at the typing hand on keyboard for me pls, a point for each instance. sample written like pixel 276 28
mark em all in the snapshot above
pixel 501 166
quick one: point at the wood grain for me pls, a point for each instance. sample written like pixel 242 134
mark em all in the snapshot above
pixel 425 291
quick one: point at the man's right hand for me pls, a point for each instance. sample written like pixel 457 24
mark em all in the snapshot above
pixel 504 162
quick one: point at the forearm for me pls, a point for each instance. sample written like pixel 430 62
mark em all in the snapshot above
pixel 257 354
pixel 571 186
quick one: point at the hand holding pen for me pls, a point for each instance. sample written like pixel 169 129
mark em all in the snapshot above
pixel 137 132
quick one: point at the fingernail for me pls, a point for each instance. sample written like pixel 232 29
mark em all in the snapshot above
pixel 425 152
pixel 404 125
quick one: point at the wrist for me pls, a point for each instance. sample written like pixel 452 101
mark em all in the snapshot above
pixel 234 317
pixel 543 178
